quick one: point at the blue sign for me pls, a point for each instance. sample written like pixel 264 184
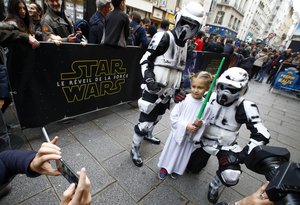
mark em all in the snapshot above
pixel 288 80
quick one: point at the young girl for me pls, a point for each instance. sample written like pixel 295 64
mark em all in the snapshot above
pixel 179 146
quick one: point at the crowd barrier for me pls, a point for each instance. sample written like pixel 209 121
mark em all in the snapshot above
pixel 53 82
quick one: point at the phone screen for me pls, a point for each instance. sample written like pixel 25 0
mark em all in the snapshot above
pixel 67 172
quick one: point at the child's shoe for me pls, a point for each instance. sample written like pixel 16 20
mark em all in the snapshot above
pixel 174 175
pixel 162 174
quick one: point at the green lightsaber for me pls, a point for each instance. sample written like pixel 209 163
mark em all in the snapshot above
pixel 212 85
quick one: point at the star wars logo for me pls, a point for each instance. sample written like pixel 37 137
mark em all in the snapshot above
pixel 92 79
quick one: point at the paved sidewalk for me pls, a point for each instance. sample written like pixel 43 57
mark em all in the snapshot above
pixel 101 142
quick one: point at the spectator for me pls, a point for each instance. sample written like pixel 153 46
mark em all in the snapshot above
pixel 146 23
pixel 34 164
pixel 247 63
pixel 36 13
pixel 216 45
pixel 262 72
pixel 8 34
pixel 199 41
pixel 164 25
pixel 260 59
pixel 117 25
pixel 97 21
pixel 228 48
pixel 151 32
pixel 57 24
pixel 17 14
pixel 138 31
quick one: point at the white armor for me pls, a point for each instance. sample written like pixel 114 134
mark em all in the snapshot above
pixel 162 67
pixel 229 111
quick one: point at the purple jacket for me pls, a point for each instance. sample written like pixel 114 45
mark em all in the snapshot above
pixel 13 162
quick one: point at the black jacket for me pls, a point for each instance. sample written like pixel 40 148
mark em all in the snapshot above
pixel 116 28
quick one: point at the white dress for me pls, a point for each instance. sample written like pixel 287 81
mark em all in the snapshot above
pixel 178 148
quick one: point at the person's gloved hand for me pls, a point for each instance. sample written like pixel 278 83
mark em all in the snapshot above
pixel 153 86
pixel 179 96
pixel 243 154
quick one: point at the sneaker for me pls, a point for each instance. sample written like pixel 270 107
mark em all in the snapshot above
pixel 212 196
pixel 174 175
pixel 162 174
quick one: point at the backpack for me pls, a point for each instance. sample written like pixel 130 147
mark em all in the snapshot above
pixel 132 37
pixel 84 27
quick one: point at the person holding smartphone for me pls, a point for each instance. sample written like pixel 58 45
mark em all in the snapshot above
pixel 33 164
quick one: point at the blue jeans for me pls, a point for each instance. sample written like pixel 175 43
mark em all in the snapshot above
pixel 261 74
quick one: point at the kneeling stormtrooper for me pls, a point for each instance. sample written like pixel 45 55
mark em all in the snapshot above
pixel 162 67
pixel 229 111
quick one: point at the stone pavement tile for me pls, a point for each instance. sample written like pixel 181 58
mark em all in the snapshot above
pixel 98 143
pixel 76 125
pixel 292 142
pixel 163 135
pixel 122 134
pixel 47 197
pixel 124 109
pixel 267 118
pixel 137 181
pixel 133 117
pixel 65 138
pixel 291 126
pixel 164 194
pixel 247 184
pixel 94 115
pixel 230 195
pixel 282 130
pixel 114 194
pixel 110 121
pixel 193 187
pixel 77 157
pixel 24 187
pixel 289 120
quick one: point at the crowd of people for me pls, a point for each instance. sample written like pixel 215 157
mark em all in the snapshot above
pixel 191 142
pixel 256 58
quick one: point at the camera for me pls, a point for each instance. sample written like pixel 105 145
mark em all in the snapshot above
pixel 284 176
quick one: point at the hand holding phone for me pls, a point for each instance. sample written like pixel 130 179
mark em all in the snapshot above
pixel 67 172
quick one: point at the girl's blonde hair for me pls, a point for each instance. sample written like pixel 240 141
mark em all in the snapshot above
pixel 204 75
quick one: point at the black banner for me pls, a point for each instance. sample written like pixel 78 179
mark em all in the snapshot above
pixel 53 82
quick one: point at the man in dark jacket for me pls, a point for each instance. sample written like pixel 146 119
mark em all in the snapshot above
pixel 138 30
pixel 97 21
pixel 33 164
pixel 117 25
pixel 58 23
pixel 8 33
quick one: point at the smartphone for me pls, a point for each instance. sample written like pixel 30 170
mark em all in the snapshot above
pixel 67 172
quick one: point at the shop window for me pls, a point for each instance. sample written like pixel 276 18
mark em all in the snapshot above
pixel 219 17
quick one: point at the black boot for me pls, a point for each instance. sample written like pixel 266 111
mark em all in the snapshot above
pixel 212 195
pixel 149 137
pixel 135 151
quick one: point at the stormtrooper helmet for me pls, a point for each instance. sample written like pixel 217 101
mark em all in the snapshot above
pixel 231 85
pixel 188 21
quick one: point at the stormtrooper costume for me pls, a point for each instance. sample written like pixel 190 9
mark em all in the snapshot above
pixel 229 111
pixel 162 67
